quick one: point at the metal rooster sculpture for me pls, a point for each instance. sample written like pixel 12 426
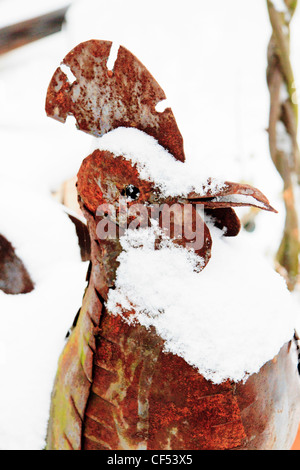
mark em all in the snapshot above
pixel 115 387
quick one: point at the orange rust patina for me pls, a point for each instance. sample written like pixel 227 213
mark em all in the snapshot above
pixel 115 387
pixel 128 96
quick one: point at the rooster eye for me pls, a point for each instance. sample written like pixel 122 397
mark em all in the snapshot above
pixel 131 192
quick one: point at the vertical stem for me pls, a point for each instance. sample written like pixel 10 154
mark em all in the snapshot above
pixel 283 125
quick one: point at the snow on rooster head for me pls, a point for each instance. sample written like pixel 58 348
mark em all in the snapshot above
pixel 135 191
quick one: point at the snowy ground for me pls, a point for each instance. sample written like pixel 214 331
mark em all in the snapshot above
pixel 210 58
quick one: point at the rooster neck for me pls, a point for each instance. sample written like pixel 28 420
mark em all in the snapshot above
pixel 104 255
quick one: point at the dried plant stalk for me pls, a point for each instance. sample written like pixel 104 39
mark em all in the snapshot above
pixel 283 125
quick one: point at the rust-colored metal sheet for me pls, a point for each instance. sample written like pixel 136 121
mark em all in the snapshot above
pixel 135 396
pixel 138 397
pixel 14 277
pixel 102 99
pixel 115 387
pixel 231 196
pixel 104 173
pixel 82 233
pixel 225 219
pixel 269 402
pixel 74 378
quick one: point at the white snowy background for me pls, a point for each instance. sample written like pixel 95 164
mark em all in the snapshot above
pixel 210 58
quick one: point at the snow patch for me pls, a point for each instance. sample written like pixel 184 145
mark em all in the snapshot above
pixel 279 5
pixel 284 95
pixel 283 139
pixel 240 199
pixel 34 325
pixel 156 164
pixel 113 55
pixel 68 72
pixel 227 321
pixel 162 106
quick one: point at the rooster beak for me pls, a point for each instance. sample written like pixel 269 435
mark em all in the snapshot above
pixel 231 195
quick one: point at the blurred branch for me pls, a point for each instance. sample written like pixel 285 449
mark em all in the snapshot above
pixel 25 32
pixel 283 126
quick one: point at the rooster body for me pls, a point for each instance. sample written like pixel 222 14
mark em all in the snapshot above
pixel 116 386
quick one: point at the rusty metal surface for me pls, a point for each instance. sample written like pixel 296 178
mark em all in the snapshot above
pixel 269 402
pixel 115 387
pixel 103 174
pixel 14 277
pixel 102 100
pixel 226 197
pixel 83 235
pixel 225 219
pixel 143 398
pixel 74 377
